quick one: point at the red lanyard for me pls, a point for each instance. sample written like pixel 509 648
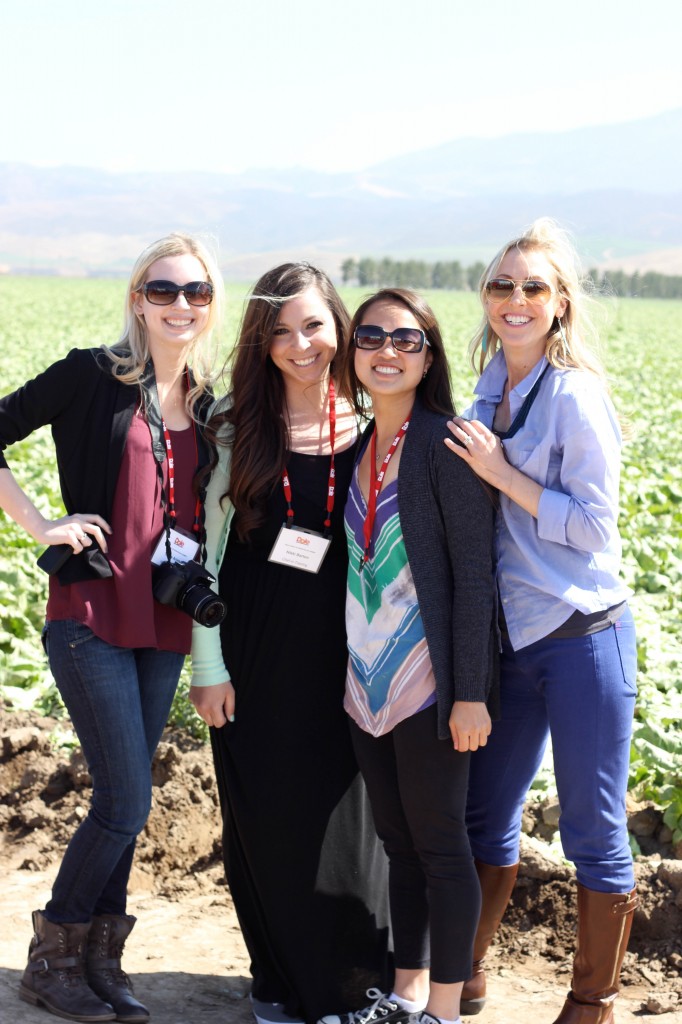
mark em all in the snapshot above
pixel 331 487
pixel 172 515
pixel 375 486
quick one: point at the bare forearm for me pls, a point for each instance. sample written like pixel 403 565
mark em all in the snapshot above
pixel 19 507
pixel 519 488
pixel 484 453
pixel 78 530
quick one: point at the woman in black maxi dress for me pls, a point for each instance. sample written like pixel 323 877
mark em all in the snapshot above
pixel 306 873
pixel 294 806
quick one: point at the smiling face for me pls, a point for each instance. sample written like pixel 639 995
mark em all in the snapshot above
pixel 304 339
pixel 385 372
pixel 521 324
pixel 179 325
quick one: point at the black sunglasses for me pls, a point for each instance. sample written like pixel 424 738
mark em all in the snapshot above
pixel 164 293
pixel 501 288
pixel 403 339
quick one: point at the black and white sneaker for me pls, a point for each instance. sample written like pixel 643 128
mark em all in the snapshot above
pixel 381 1011
pixel 422 1017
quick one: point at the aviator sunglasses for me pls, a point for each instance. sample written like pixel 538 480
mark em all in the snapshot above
pixel 501 288
pixel 164 293
pixel 403 339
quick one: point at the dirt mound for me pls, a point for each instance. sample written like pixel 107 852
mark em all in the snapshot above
pixel 45 793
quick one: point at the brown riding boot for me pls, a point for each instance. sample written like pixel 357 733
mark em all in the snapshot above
pixel 55 976
pixel 103 966
pixel 497 884
pixel 604 923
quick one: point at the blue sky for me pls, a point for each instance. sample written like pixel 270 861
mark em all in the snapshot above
pixel 227 85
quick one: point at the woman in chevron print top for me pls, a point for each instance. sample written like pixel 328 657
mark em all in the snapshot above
pixel 420 619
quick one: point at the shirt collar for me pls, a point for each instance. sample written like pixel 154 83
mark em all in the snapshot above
pixel 490 385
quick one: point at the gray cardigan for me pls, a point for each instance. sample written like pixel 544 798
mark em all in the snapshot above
pixel 447 523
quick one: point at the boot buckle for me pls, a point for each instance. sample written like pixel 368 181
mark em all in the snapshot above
pixel 627 905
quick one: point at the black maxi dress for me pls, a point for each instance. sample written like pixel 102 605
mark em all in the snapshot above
pixel 307 874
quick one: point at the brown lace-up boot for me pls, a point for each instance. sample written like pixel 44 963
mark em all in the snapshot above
pixel 604 923
pixel 106 940
pixel 55 977
pixel 497 884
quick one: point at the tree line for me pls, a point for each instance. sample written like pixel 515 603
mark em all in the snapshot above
pixel 388 273
pixel 452 276
pixel 651 285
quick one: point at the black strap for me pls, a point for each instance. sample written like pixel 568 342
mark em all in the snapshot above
pixel 522 414
pixel 153 414
pixel 53 963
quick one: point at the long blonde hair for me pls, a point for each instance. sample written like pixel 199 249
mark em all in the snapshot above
pixel 569 344
pixel 130 355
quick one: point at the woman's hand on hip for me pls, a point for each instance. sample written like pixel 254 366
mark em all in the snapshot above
pixel 470 725
pixel 79 530
pixel 215 704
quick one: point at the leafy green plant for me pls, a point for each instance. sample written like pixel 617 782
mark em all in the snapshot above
pixel 640 338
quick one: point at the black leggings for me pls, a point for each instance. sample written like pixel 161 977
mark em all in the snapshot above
pixel 417 786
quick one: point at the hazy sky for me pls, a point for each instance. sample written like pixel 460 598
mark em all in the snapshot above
pixel 226 85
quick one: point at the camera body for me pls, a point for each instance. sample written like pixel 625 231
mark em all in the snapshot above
pixel 187 586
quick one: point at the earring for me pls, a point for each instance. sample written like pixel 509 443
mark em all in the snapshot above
pixel 564 339
pixel 484 340
pixel 424 374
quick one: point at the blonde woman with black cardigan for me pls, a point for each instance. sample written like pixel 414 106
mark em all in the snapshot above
pixel 114 650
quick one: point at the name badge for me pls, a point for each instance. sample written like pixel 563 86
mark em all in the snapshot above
pixel 183 548
pixel 299 548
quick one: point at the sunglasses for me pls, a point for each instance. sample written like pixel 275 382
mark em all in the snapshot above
pixel 403 339
pixel 164 293
pixel 501 288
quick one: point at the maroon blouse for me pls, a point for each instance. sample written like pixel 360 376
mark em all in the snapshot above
pixel 121 608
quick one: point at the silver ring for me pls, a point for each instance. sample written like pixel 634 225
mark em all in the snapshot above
pixel 82 536
pixel 468 440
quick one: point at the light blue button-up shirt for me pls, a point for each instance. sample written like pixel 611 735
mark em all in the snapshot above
pixel 569 557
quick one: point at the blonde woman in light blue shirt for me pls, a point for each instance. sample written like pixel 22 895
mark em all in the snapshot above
pixel 543 431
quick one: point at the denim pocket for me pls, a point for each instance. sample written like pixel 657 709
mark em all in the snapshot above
pixel 624 632
pixel 78 634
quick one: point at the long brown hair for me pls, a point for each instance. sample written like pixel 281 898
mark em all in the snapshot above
pixel 254 424
pixel 435 390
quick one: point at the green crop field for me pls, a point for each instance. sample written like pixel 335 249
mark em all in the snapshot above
pixel 41 319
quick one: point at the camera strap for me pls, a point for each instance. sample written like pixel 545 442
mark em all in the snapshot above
pixel 162 448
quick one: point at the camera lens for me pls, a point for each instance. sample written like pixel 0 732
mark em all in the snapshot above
pixel 211 613
pixel 204 606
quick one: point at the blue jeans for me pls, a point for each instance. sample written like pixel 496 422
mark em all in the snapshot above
pixel 581 691
pixel 118 700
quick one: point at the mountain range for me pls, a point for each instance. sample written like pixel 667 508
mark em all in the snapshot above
pixel 618 187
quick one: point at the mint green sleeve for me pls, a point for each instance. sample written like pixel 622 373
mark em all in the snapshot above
pixel 208 668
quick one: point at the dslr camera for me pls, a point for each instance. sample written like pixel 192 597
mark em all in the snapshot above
pixel 186 585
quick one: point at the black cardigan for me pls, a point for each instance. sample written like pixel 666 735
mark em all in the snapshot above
pixel 447 518
pixel 90 413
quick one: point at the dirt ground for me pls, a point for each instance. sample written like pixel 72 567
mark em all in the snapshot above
pixel 186 955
